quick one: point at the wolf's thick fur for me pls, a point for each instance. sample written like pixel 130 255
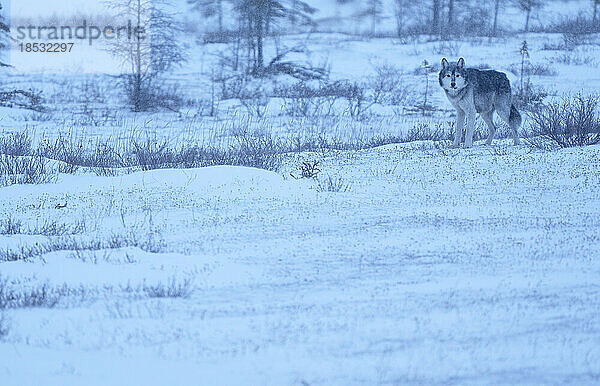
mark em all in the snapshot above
pixel 473 91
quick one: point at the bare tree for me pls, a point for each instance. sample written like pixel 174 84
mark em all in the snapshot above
pixel 150 51
pixel 4 37
pixel 527 6
pixel 374 11
pixel 496 11
pixel 27 99
pixel 210 8
pixel 299 13
pixel 256 17
pixel 435 18
pixel 400 11
pixel 450 13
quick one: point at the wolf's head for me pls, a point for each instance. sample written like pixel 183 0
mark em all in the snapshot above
pixel 453 76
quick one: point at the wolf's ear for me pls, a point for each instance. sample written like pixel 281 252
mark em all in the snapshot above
pixel 461 62
pixel 444 63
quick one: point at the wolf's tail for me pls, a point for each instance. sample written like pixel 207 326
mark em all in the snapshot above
pixel 514 118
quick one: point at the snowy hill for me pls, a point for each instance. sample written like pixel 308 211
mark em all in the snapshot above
pixel 432 267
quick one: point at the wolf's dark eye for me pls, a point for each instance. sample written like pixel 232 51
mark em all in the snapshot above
pixel 448 76
pixel 458 75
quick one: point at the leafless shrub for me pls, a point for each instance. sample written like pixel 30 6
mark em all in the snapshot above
pixel 258 151
pixel 147 241
pixel 16 144
pixel 151 94
pixel 571 40
pixel 231 86
pixel 41 295
pixel 27 99
pixel 300 106
pixel 424 132
pixel 153 154
pixel 332 184
pixel 574 60
pixel 575 25
pixel 148 153
pixel 447 48
pixel 571 122
pixel 256 101
pixel 429 69
pixel 10 226
pixel 55 228
pixel 529 97
pixel 355 95
pixel 91 256
pixel 320 143
pixel 249 149
pixel 474 20
pixel 308 169
pixel 419 132
pixel 173 289
pixel 552 47
pixel 24 170
pixel 388 86
pixel 91 115
pixel 4 325
pixel 575 31
pixel 307 100
pixel 538 69
pixel 101 155
pixel 94 89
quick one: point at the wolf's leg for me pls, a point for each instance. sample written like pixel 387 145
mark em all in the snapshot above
pixel 514 120
pixel 509 114
pixel 470 128
pixel 489 121
pixel 458 128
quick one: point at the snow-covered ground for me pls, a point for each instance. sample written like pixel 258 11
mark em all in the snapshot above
pixel 400 264
pixel 430 266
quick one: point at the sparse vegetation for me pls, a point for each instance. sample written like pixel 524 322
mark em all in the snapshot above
pixel 578 25
pixel 25 99
pixel 174 288
pixel 527 96
pixel 245 148
pixel 425 107
pixel 308 169
pixel 10 226
pixel 575 60
pixel 535 69
pixel 305 99
pixel 149 55
pixel 4 325
pixel 146 241
pixel 17 295
pixel 332 183
pixel 571 122
pixel 16 144
pixel 24 170
pixel 13 226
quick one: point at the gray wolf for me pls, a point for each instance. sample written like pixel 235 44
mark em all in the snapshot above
pixel 473 91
